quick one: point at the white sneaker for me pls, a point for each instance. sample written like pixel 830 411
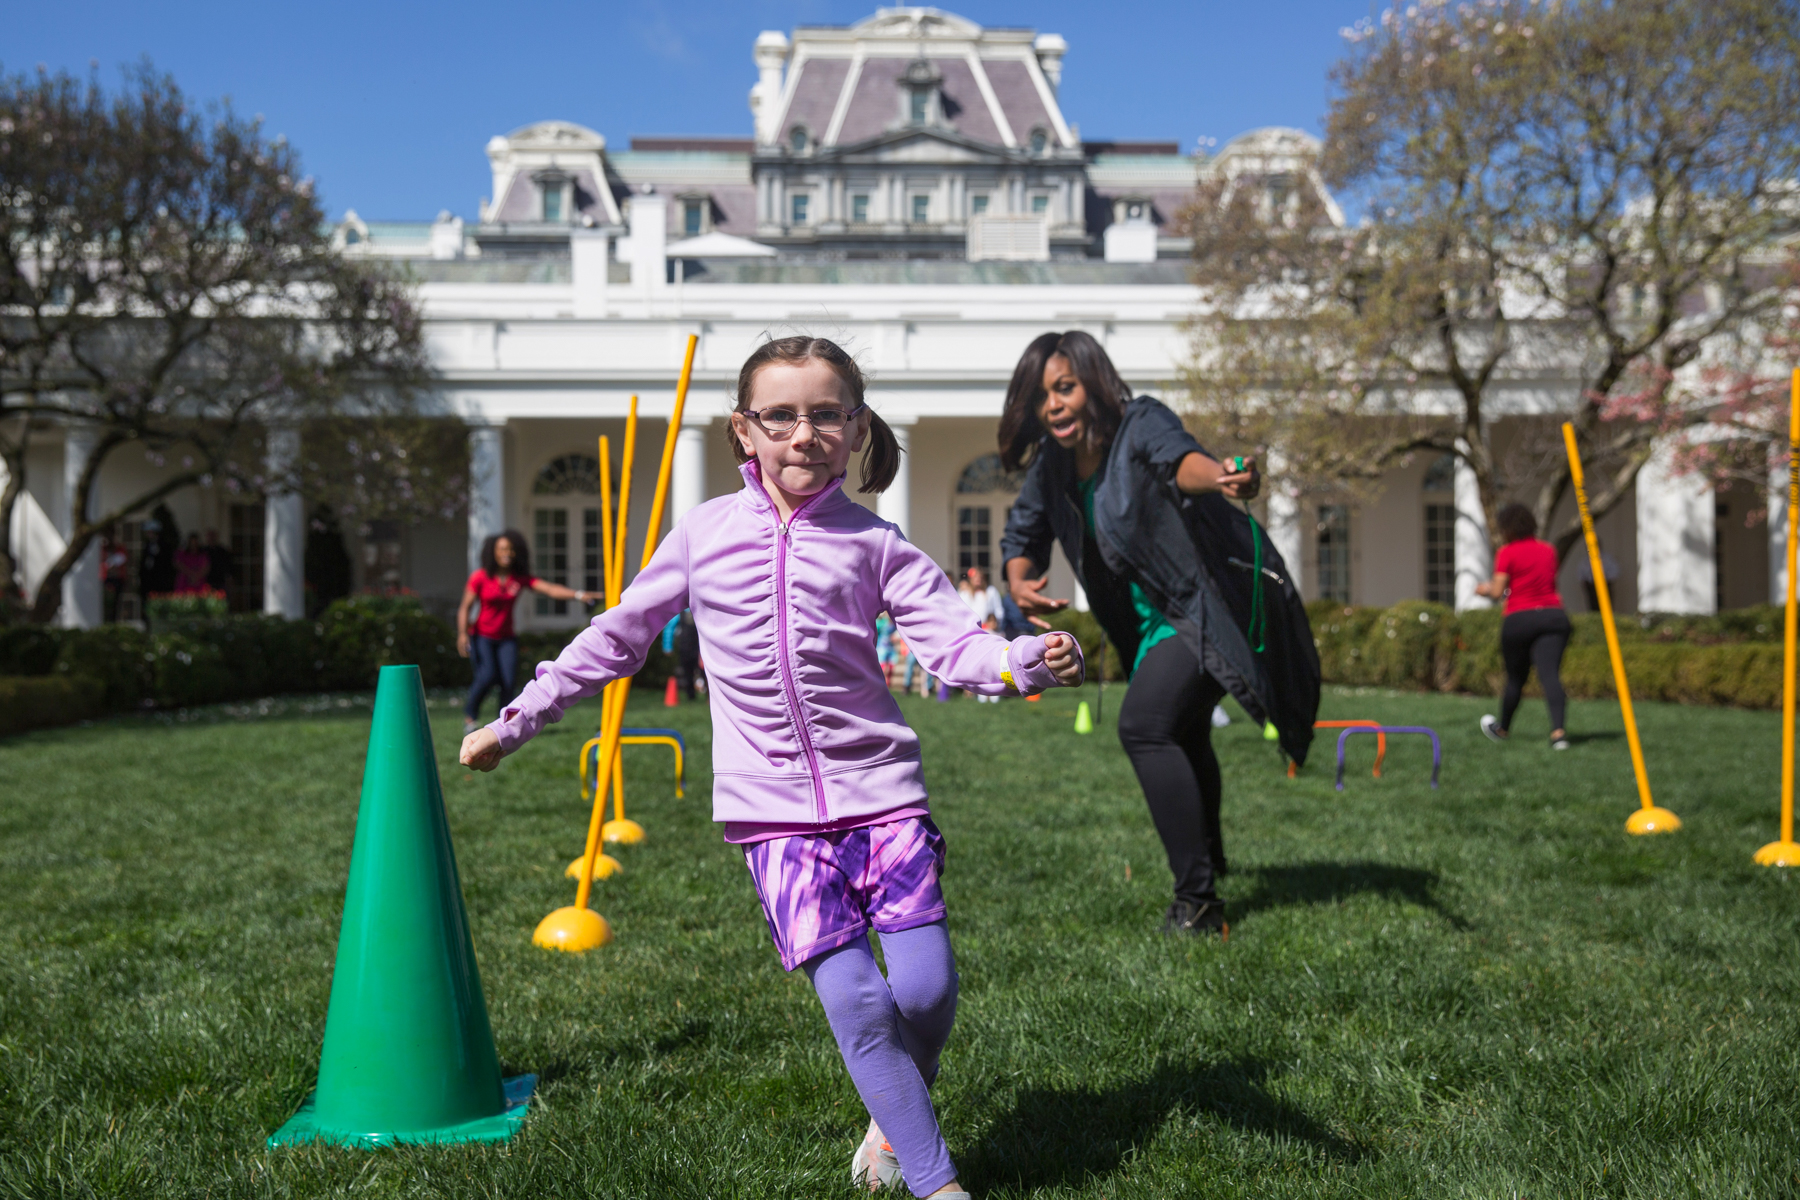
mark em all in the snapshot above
pixel 874 1164
pixel 1491 727
pixel 1561 743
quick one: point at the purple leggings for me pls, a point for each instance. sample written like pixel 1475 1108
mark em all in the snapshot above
pixel 890 1032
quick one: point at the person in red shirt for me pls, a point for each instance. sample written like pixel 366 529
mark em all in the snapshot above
pixel 1535 630
pixel 505 575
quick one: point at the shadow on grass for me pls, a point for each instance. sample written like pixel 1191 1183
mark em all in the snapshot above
pixel 1577 739
pixel 1052 1137
pixel 1331 882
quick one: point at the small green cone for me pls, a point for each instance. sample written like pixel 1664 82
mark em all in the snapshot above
pixel 1084 720
pixel 1270 733
pixel 408 1055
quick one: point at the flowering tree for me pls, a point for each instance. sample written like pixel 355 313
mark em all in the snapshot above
pixel 168 284
pixel 1591 192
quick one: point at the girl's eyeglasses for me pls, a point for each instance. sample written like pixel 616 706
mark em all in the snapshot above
pixel 779 421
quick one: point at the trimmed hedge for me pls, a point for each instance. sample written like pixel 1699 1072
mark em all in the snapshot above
pixel 1731 659
pixel 41 701
pixel 55 676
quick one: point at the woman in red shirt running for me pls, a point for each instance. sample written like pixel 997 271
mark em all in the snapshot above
pixel 505 575
pixel 1535 630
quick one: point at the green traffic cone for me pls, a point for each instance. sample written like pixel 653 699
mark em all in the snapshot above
pixel 409 1055
pixel 1084 720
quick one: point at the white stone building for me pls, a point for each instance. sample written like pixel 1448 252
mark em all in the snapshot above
pixel 912 189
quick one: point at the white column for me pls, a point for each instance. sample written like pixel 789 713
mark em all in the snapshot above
pixel 284 531
pixel 1778 514
pixel 1675 531
pixel 687 483
pixel 1474 552
pixel 589 253
pixel 487 487
pixel 895 504
pixel 1284 530
pixel 82 606
pixel 649 217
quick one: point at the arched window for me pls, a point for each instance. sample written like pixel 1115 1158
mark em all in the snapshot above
pixel 798 139
pixel 986 475
pixel 565 530
pixel 982 492
pixel 570 475
pixel 1040 141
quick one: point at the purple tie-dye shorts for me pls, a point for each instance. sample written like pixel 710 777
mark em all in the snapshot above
pixel 824 890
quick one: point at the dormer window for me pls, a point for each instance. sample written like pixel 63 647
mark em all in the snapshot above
pixel 695 211
pixel 553 196
pixel 798 139
pixel 1040 141
pixel 921 81
pixel 1133 210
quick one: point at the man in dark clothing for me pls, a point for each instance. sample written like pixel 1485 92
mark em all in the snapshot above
pixel 221 565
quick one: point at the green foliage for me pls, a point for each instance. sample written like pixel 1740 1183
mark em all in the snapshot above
pixel 167 610
pixel 28 649
pixel 361 634
pixel 41 701
pixel 121 659
pixel 1733 658
pixel 1483 991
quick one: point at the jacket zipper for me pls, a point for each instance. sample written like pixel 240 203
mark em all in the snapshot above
pixel 787 670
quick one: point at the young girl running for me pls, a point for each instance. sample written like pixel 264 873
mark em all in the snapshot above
pixel 815 772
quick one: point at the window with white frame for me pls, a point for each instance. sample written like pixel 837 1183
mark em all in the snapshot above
pixel 859 208
pixel 1440 530
pixel 553 202
pixel 978 204
pixel 921 209
pixel 1040 141
pixel 1040 204
pixel 565 529
pixel 693 217
pixel 1334 552
pixel 799 208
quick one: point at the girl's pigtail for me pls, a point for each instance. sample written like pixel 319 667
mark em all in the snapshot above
pixel 881 462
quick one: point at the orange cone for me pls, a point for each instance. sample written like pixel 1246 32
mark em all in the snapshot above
pixel 671 694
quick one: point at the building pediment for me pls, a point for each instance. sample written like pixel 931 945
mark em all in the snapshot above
pixel 922 145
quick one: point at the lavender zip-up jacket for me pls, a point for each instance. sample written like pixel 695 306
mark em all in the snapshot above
pixel 805 730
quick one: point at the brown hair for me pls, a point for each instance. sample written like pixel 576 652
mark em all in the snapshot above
pixel 1516 523
pixel 1107 394
pixel 881 461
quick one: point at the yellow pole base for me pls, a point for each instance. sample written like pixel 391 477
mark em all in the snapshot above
pixel 627 831
pixel 1652 820
pixel 1779 854
pixel 572 929
pixel 605 867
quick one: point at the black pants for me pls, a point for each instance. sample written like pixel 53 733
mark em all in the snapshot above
pixel 687 671
pixel 496 663
pixel 1534 638
pixel 1165 726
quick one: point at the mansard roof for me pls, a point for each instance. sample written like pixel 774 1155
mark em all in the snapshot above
pixel 844 84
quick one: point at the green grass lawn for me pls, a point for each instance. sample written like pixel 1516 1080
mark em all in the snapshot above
pixel 1484 991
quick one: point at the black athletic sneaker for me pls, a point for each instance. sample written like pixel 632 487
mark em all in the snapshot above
pixel 1206 919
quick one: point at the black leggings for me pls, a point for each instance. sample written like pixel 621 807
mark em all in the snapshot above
pixel 1165 726
pixel 1534 638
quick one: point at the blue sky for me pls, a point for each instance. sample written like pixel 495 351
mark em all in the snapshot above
pixel 390 103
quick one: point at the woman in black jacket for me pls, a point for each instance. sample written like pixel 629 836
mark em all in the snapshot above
pixel 1143 515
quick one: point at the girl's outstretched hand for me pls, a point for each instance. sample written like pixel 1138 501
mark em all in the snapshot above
pixel 1059 656
pixel 480 750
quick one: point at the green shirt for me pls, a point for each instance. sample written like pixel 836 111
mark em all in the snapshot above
pixel 1153 627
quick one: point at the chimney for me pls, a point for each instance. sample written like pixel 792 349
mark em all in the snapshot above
pixel 447 236
pixel 1050 49
pixel 649 217
pixel 765 98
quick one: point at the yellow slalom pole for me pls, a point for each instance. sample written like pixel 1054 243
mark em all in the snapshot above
pixel 1785 853
pixel 624 517
pixel 1648 818
pixel 668 455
